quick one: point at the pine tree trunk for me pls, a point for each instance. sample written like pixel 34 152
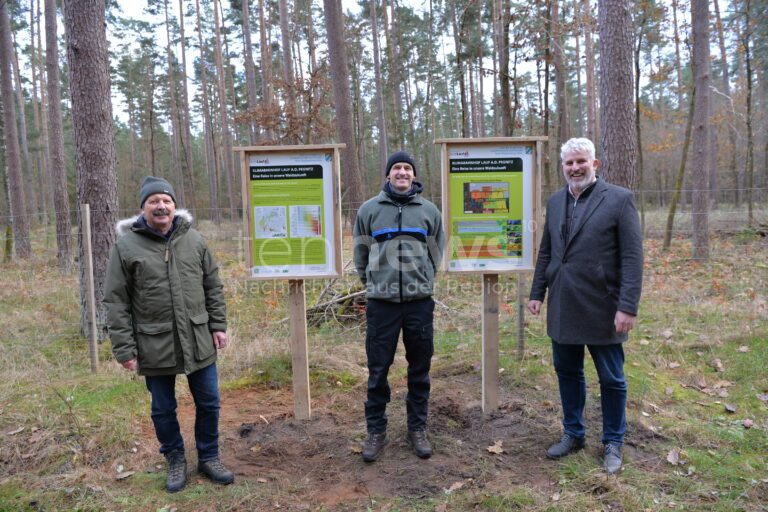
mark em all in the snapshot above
pixel 394 80
pixel 285 37
pixel 380 120
pixel 593 122
pixel 701 153
pixel 16 205
pixel 186 131
pixel 94 140
pixel 563 122
pixel 26 168
pixel 750 168
pixel 619 141
pixel 339 78
pixel 226 134
pixel 177 163
pixel 266 64
pixel 250 70
pixel 56 140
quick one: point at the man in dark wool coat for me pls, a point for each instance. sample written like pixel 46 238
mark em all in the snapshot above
pixel 591 261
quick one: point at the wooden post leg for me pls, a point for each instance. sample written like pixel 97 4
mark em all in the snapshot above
pixel 490 342
pixel 520 316
pixel 299 356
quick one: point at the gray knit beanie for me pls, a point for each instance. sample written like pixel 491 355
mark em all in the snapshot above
pixel 154 185
pixel 400 156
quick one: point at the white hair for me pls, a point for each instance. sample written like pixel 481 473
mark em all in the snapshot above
pixel 578 144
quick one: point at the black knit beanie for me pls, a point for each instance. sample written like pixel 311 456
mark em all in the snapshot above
pixel 154 185
pixel 400 156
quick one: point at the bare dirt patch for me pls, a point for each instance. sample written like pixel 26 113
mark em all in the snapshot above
pixel 318 462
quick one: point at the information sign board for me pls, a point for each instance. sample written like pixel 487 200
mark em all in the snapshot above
pixel 293 211
pixel 490 204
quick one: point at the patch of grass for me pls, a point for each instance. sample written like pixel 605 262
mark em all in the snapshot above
pixel 273 372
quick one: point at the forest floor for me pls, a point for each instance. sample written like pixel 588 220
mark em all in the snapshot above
pixel 697 413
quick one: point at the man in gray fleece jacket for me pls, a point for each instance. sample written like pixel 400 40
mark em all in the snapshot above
pixel 398 245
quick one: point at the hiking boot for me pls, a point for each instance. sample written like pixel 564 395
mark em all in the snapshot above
pixel 216 471
pixel 567 445
pixel 177 471
pixel 612 458
pixel 373 445
pixel 418 440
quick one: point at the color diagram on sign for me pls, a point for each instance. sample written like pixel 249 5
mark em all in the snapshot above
pixel 486 197
pixel 306 221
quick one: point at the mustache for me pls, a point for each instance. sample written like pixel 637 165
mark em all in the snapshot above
pixel 162 211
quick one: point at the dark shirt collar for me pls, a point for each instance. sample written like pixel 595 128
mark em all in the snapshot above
pixel 584 193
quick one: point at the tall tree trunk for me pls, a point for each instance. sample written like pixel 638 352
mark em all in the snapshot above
pixel 727 101
pixel 380 120
pixel 285 34
pixel 458 27
pixel 746 36
pixel 334 24
pixel 394 80
pixel 680 174
pixel 94 140
pixel 175 117
pixel 563 121
pixel 619 141
pixel 678 59
pixel 640 169
pixel 56 148
pixel 26 167
pixel 226 134
pixel 503 53
pixel 16 203
pixel 186 131
pixel 266 64
pixel 210 156
pixel 545 97
pixel 42 143
pixel 589 61
pixel 579 88
pixel 701 153
pixel 250 70
pixel 43 109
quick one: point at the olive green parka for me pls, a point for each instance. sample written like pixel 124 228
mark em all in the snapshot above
pixel 164 298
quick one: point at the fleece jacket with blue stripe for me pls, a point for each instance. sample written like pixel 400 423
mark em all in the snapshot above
pixel 398 246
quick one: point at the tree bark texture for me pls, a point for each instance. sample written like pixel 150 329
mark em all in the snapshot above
pixel 702 77
pixel 380 119
pixel 94 140
pixel 250 70
pixel 593 122
pixel 58 167
pixel 340 82
pixel 619 141
pixel 226 134
pixel 17 203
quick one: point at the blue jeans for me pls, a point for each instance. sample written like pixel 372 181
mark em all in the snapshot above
pixel 204 385
pixel 609 363
pixel 385 321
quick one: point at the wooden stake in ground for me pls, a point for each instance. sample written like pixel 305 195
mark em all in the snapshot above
pixel 490 321
pixel 299 353
pixel 91 297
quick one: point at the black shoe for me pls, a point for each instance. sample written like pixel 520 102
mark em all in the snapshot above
pixel 216 471
pixel 177 471
pixel 612 458
pixel 373 445
pixel 567 445
pixel 418 440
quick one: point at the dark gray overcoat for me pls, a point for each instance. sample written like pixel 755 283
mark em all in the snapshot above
pixel 594 273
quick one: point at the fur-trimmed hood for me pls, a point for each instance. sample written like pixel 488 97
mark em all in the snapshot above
pixel 124 226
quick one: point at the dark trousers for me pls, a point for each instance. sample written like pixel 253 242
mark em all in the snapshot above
pixel 385 321
pixel 609 363
pixel 204 386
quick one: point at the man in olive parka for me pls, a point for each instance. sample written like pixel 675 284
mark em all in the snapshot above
pixel 167 316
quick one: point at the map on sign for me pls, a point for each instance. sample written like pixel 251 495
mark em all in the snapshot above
pixel 270 222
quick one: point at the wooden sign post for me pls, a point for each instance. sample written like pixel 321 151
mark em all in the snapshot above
pixel 491 204
pixel 293 223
